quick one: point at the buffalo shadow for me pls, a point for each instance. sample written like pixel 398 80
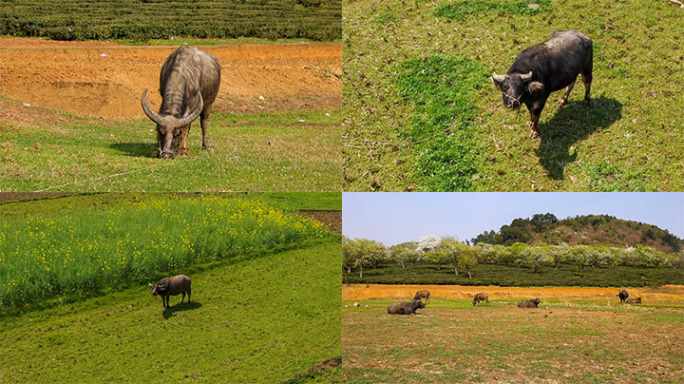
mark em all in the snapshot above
pixel 148 149
pixel 570 124
pixel 170 311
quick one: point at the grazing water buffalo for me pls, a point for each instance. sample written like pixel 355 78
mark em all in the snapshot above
pixel 545 68
pixel 405 308
pixel 635 300
pixel 529 303
pixel 422 295
pixel 623 295
pixel 172 286
pixel 189 83
pixel 481 297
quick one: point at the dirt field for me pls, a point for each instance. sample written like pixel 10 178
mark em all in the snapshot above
pixel 668 293
pixel 576 342
pixel 105 79
pixel 332 219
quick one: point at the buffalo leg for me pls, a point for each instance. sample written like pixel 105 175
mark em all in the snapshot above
pixel 183 141
pixel 569 88
pixel 183 298
pixel 204 119
pixel 586 79
pixel 189 292
pixel 533 124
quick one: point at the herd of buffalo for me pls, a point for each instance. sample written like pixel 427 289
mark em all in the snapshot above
pixel 410 307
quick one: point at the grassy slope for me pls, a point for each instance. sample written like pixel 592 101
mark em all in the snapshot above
pixel 503 275
pixel 266 320
pixel 502 343
pixel 257 152
pixel 630 139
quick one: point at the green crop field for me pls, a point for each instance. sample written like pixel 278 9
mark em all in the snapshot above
pixel 508 276
pixel 422 115
pixel 80 251
pixel 160 19
pixel 272 151
pixel 578 342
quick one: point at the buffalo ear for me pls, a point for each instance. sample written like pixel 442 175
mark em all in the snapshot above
pixel 535 86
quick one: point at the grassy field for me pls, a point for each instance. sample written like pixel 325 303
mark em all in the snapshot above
pixel 578 342
pixel 89 246
pixel 504 275
pixel 275 151
pixel 274 319
pixel 142 20
pixel 421 114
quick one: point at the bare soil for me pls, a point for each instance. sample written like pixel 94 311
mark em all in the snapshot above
pixel 667 293
pixel 331 219
pixel 105 79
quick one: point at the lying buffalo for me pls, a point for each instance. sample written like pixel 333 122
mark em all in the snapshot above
pixel 189 83
pixel 172 286
pixel 405 308
pixel 481 297
pixel 539 70
pixel 534 303
pixel 424 294
pixel 623 295
pixel 635 300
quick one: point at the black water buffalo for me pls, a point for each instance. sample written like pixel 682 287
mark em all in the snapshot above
pixel 481 297
pixel 405 308
pixel 623 295
pixel 174 285
pixel 189 83
pixel 634 300
pixel 545 68
pixel 534 303
pixel 424 294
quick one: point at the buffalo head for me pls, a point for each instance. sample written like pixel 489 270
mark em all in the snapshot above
pixel 515 87
pixel 169 127
pixel 158 289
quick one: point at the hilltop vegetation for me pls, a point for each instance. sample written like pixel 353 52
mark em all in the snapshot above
pixel 546 229
pixel 160 19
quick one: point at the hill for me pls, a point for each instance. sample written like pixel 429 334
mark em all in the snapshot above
pixel 546 229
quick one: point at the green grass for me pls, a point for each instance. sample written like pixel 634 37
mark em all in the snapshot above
pixel 159 19
pixel 272 151
pixel 83 250
pixel 268 320
pixel 506 276
pixel 630 139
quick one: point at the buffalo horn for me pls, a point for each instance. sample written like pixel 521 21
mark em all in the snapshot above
pixel 154 116
pixel 526 77
pixel 498 78
pixel 183 121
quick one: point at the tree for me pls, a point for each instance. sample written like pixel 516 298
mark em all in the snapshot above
pixel 362 253
pixel 467 259
pixel 402 253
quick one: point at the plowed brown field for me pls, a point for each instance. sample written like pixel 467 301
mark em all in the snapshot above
pixel 106 79
pixel 667 293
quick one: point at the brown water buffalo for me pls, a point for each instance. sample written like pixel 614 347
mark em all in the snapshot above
pixel 423 294
pixel 634 300
pixel 534 303
pixel 405 308
pixel 169 286
pixel 481 297
pixel 189 83
pixel 541 69
pixel 623 295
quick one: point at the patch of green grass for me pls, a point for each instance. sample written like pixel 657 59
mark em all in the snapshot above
pixel 630 139
pixel 508 276
pixel 84 250
pixel 461 9
pixel 272 151
pixel 441 129
pixel 267 320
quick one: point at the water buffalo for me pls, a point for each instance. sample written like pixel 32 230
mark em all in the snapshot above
pixel 634 300
pixel 422 295
pixel 189 83
pixel 623 295
pixel 174 285
pixel 545 68
pixel 405 308
pixel 481 297
pixel 534 303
